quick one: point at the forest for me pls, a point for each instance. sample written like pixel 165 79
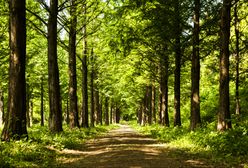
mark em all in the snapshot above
pixel 173 70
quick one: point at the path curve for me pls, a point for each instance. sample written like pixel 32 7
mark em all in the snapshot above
pixel 125 148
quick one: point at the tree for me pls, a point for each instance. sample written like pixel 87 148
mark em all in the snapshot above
pixel 41 102
pixel 237 59
pixel 15 123
pixel 153 107
pixel 73 102
pixel 85 122
pixel 195 70
pixel 97 106
pixel 92 91
pixel 177 73
pixel 55 115
pixel 106 106
pixel 224 116
pixel 164 75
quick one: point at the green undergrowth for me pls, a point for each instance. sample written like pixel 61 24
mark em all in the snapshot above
pixel 230 147
pixel 40 149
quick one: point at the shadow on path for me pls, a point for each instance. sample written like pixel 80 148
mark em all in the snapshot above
pixel 125 148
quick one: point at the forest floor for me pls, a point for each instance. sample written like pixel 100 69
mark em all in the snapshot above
pixel 126 148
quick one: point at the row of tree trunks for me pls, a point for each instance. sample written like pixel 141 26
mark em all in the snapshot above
pixel 224 116
pixel 146 111
pixel 15 123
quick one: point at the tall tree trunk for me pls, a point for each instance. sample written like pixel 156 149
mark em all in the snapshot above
pixel 149 104
pixel 74 120
pixel 153 104
pixel 100 109
pixel 97 104
pixel 111 113
pixel 85 117
pixel 195 70
pixel 164 90
pixel 41 103
pixel 224 115
pixel 177 115
pixel 114 114
pixel 92 103
pixel 55 115
pixel 143 111
pixel 237 98
pixel 106 111
pixel 118 115
pixel 15 123
pixel 1 108
pixel 160 120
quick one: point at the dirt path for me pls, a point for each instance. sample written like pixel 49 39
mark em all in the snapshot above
pixel 125 148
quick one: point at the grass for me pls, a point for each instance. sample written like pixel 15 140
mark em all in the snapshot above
pixel 229 148
pixel 38 151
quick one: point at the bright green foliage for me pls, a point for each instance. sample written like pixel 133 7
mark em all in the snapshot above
pixel 229 147
pixel 128 39
pixel 41 149
pixel 4 49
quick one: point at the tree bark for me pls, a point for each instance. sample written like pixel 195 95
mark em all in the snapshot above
pixel 92 103
pixel 114 113
pixel 74 119
pixel 164 75
pixel 41 103
pixel 15 123
pixel 237 59
pixel 100 109
pixel 195 70
pixel 85 117
pixel 160 120
pixel 118 115
pixel 149 104
pixel 106 111
pixel 177 115
pixel 143 111
pixel 153 104
pixel 111 113
pixel 224 116
pixel 97 104
pixel 55 115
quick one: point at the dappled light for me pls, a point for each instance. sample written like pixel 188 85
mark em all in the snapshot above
pixel 124 83
pixel 126 148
